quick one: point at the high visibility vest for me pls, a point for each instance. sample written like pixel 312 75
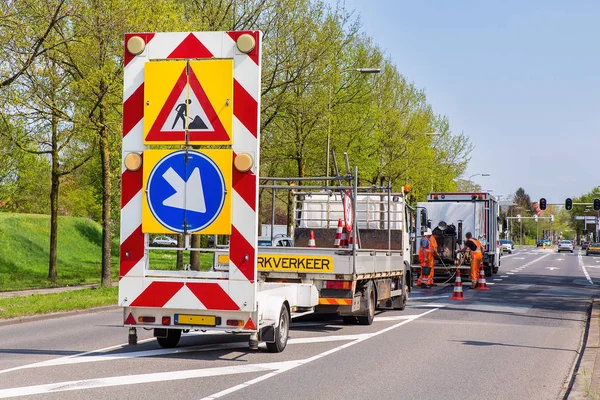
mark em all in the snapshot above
pixel 478 244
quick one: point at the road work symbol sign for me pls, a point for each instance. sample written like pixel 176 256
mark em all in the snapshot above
pixel 187 191
pixel 193 97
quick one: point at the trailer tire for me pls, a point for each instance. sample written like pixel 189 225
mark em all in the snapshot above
pixel 282 331
pixel 369 294
pixel 172 339
pixel 488 271
pixel 349 319
pixel 399 302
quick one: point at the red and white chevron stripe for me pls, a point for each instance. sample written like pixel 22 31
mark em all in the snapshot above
pixel 238 292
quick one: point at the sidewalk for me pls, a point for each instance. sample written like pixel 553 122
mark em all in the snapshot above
pixel 29 292
pixel 587 379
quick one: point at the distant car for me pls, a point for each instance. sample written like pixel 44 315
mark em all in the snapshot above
pixel 506 246
pixel 540 243
pixel 164 241
pixel 278 241
pixel 584 245
pixel 593 248
pixel 565 245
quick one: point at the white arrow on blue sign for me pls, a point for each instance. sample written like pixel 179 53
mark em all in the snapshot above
pixel 186 194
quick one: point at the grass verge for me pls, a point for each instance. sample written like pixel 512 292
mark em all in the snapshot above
pixel 20 306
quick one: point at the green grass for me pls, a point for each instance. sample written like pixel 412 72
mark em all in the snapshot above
pixel 24 251
pixel 166 260
pixel 19 306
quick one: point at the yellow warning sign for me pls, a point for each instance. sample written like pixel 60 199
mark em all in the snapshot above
pixel 193 97
pixel 187 191
pixel 295 263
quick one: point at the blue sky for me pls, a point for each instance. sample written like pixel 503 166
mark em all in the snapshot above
pixel 520 78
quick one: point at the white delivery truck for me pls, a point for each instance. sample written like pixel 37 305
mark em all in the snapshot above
pixel 450 216
pixel 350 280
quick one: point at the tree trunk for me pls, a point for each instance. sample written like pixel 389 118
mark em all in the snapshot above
pixel 52 270
pixel 106 196
pixel 195 255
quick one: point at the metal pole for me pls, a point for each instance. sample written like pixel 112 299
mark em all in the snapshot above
pixel 537 231
pixel 389 218
pixel 329 129
pixel 273 214
pixel 521 238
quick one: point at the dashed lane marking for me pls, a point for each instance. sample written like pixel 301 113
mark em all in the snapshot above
pixel 497 279
pixel 587 275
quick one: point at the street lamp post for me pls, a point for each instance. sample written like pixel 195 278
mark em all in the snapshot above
pixel 478 175
pixel 360 70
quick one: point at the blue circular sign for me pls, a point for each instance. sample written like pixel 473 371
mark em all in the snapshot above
pixel 186 191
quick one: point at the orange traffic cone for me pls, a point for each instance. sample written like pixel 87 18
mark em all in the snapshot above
pixel 338 234
pixel 311 240
pixel 458 292
pixel 344 240
pixel 481 284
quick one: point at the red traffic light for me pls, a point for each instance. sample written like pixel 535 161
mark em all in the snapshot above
pixel 542 204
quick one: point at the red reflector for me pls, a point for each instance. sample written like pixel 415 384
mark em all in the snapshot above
pixel 250 324
pixel 235 322
pixel 347 285
pixel 130 320
pixel 147 319
pixel 166 320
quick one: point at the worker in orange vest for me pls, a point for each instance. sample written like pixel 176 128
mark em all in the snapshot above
pixel 428 248
pixel 475 247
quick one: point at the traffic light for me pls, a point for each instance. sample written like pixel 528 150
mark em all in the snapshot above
pixel 543 203
pixel 596 204
pixel 569 203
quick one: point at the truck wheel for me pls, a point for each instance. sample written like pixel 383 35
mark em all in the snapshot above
pixel 172 339
pixel 349 319
pixel 281 332
pixel 488 271
pixel 370 308
pixel 399 302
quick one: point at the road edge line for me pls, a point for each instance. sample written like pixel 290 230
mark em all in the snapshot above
pixel 41 317
pixel 580 351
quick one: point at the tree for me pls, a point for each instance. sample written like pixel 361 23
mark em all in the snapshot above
pixel 24 29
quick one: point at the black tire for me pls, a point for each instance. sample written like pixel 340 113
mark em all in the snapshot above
pixel 370 309
pixel 487 271
pixel 571 251
pixel 399 302
pixel 495 270
pixel 349 319
pixel 172 339
pixel 281 331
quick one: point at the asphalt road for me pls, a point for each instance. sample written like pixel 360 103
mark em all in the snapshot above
pixel 517 340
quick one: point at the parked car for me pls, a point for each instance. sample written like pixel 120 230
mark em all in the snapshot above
pixel 279 240
pixel 584 245
pixel 593 248
pixel 506 246
pixel 565 245
pixel 164 241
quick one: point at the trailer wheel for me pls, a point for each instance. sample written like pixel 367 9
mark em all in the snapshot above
pixel 399 302
pixel 281 332
pixel 370 309
pixel 349 319
pixel 171 340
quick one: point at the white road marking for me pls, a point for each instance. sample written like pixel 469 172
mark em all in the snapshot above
pixel 552 268
pixel 587 276
pixel 518 287
pixel 306 361
pixel 427 297
pixel 510 273
pixel 560 259
pixel 503 276
pixel 273 369
pixel 497 279
pixel 519 258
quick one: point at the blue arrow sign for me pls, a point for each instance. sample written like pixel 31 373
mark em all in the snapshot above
pixel 186 193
